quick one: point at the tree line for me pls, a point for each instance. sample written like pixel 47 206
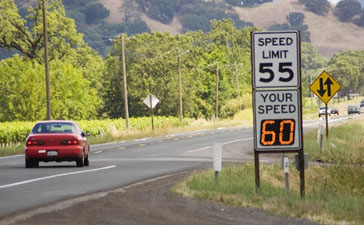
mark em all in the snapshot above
pixel 345 10
pixel 84 85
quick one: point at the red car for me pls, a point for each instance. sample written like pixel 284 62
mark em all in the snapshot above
pixel 56 140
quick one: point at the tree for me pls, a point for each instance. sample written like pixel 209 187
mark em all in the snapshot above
pixel 193 22
pixel 295 22
pixel 348 68
pixel 22 83
pixel 312 65
pixel 151 61
pixel 345 10
pixel 360 21
pixel 295 18
pixel 75 68
pixel 96 12
pixel 161 10
pixel 26 35
pixel 129 10
pixel 197 16
pixel 319 7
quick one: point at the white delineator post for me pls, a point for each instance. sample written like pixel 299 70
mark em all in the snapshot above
pixel 217 159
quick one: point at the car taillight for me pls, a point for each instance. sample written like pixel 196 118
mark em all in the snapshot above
pixel 70 142
pixel 34 142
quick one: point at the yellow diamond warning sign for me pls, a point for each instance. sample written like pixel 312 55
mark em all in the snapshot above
pixel 325 87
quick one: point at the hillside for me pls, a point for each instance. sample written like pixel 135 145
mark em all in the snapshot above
pixel 328 34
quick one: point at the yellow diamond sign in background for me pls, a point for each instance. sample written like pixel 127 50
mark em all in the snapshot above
pixel 325 87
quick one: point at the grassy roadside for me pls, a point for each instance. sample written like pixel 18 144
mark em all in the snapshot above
pixel 243 118
pixel 334 192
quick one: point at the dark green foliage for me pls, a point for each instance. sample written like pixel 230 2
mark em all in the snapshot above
pixel 78 3
pixel 194 14
pixel 348 68
pixel 197 16
pixel 95 12
pixel 319 7
pixel 151 61
pixel 246 3
pixel 360 21
pixel 194 22
pixel 234 2
pixel 161 10
pixel 295 22
pixel 345 10
pixel 75 69
pixel 97 35
pixel 295 18
pixel 311 63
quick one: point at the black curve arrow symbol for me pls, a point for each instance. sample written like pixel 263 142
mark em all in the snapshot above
pixel 322 90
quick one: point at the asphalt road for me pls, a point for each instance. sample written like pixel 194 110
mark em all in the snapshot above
pixel 118 164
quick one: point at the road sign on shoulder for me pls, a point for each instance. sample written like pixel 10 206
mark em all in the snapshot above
pixel 325 87
pixel 275 59
pixel 277 120
pixel 151 101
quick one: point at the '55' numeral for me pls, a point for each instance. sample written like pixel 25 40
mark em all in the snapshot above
pixel 283 68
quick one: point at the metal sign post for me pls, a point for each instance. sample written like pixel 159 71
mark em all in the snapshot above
pixel 276 82
pixel 151 101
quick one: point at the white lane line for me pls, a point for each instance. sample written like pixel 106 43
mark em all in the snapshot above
pixel 311 124
pixel 199 149
pixel 142 139
pixel 228 142
pixel 54 176
pixel 237 140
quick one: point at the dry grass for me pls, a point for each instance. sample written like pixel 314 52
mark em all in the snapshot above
pixel 328 34
pixel 116 17
pixel 114 7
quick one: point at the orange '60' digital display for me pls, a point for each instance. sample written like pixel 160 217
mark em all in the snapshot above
pixel 277 132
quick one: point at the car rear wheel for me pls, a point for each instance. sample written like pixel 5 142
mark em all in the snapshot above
pixel 80 161
pixel 31 163
pixel 86 162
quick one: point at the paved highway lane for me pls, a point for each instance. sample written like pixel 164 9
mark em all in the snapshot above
pixel 118 164
pixel 111 166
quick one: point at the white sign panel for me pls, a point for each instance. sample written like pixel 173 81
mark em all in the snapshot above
pixel 277 120
pixel 275 59
pixel 217 156
pixel 285 164
pixel 148 99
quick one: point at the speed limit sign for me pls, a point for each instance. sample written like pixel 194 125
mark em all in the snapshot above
pixel 277 108
pixel 277 91
pixel 275 59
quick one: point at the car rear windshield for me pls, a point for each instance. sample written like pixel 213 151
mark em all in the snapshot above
pixel 53 128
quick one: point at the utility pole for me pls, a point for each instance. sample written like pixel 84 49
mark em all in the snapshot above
pixel 45 34
pixel 237 85
pixel 125 83
pixel 217 91
pixel 180 86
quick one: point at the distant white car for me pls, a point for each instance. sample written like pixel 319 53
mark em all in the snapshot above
pixel 322 111
pixel 353 109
